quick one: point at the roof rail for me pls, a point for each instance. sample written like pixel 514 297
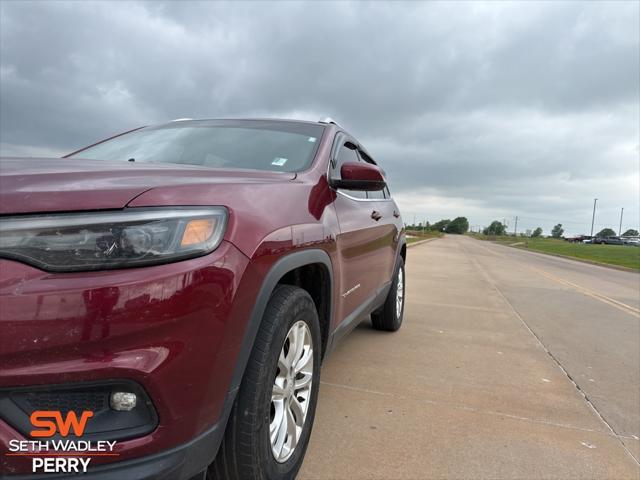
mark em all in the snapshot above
pixel 181 119
pixel 327 120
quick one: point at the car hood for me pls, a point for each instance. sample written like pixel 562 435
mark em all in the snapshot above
pixel 29 185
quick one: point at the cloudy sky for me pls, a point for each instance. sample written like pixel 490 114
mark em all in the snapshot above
pixel 488 110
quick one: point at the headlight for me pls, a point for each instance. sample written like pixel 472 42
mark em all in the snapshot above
pixel 106 240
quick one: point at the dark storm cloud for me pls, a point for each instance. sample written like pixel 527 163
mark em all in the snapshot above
pixel 489 109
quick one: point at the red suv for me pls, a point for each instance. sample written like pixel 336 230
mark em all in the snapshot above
pixel 183 284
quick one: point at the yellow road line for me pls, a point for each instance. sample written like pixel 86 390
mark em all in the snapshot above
pixel 590 293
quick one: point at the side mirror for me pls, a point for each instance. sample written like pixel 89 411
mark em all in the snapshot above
pixel 359 176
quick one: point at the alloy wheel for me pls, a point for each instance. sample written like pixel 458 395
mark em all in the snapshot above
pixel 399 293
pixel 291 391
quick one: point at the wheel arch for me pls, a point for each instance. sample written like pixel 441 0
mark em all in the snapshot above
pixel 297 266
pixel 315 279
pixel 275 276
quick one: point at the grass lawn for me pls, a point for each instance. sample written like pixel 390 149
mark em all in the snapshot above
pixel 622 255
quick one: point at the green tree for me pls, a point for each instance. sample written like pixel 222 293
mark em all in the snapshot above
pixel 537 232
pixel 458 225
pixel 606 232
pixel 630 233
pixel 557 231
pixel 441 225
pixel 496 228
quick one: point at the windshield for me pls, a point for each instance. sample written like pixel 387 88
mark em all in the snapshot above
pixel 255 145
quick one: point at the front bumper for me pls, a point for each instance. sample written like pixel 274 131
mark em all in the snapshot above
pixel 174 329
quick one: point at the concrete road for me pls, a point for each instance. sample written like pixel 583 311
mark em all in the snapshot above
pixel 509 364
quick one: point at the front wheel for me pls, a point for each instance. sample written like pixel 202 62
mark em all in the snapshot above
pixel 270 424
pixel 389 316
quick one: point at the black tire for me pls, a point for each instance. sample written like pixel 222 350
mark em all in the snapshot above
pixel 387 318
pixel 245 453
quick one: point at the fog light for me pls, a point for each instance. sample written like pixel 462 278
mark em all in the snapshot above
pixel 123 401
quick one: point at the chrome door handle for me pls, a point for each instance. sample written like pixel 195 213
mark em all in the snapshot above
pixel 376 215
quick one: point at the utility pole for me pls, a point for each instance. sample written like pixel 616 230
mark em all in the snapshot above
pixel 515 230
pixel 620 229
pixel 593 218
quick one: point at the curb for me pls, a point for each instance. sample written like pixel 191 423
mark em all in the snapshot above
pixel 414 244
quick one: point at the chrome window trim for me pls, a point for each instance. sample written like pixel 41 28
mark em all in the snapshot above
pixel 341 192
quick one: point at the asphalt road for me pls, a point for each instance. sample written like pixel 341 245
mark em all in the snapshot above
pixel 509 364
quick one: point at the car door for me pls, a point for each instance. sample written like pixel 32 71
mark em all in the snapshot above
pixel 363 239
pixel 389 225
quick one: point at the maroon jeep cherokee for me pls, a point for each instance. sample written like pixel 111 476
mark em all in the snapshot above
pixel 184 283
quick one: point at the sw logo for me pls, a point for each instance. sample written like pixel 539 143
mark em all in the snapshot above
pixel 52 423
pixel 48 423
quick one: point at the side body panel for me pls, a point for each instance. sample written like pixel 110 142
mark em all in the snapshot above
pixel 368 243
pixel 392 228
pixel 362 251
